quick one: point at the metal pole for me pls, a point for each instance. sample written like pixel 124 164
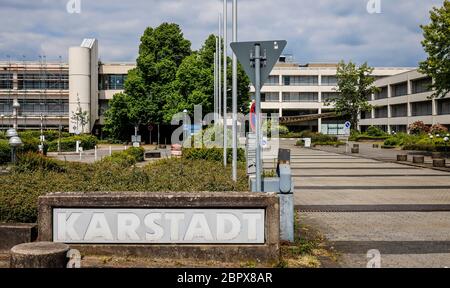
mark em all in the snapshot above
pixel 234 97
pixel 215 84
pixel 225 134
pixel 258 117
pixel 219 60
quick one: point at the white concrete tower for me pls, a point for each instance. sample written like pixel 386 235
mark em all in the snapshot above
pixel 83 84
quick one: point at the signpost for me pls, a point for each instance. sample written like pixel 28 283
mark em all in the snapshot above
pixel 347 132
pixel 258 59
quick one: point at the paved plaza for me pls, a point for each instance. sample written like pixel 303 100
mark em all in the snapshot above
pixel 360 204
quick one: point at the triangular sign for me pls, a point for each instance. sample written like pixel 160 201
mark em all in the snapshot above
pixel 270 49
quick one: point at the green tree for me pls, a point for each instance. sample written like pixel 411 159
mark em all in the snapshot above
pixel 437 46
pixel 354 85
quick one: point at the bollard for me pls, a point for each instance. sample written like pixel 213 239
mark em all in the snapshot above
pixel 355 150
pixel 110 150
pixel 402 158
pixel 418 159
pixel 39 255
pixel 440 163
pixel 95 153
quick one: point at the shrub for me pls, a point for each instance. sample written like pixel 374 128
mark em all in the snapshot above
pixel 69 143
pixel 375 132
pixel 392 141
pixel 5 152
pixel 31 161
pixel 136 152
pixel 126 158
pixel 212 154
pixel 418 128
pixel 438 129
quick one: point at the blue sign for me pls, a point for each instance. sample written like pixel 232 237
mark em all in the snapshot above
pixel 348 125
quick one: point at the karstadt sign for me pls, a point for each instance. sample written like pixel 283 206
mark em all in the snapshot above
pixel 159 226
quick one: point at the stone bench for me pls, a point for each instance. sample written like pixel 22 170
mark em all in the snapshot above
pixel 12 234
pixel 39 255
pixel 355 150
pixel 439 163
pixel 402 158
pixel 418 159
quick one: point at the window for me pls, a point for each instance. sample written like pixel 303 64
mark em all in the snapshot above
pixel 300 97
pixel 300 80
pixel 36 107
pixel 382 93
pixel 112 81
pixel 327 96
pixel 400 110
pixel 270 97
pixel 43 81
pixel 421 85
pixel 381 112
pixel 400 89
pixel 366 114
pixel 273 81
pixel 329 80
pixel 422 108
pixel 444 107
pixel 6 81
pixel 399 128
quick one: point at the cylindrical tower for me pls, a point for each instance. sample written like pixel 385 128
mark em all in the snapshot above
pixel 79 89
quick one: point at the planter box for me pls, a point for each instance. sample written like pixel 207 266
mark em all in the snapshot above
pixel 402 158
pixel 439 163
pixel 418 159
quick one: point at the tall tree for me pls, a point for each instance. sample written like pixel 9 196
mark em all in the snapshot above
pixel 354 85
pixel 437 45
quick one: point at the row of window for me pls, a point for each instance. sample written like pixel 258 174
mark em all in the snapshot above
pixel 35 107
pixel 423 108
pixel 34 81
pixel 301 80
pixel 298 96
pixel 401 89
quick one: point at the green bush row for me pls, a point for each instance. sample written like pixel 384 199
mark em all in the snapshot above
pixel 212 154
pixel 19 191
pixel 126 158
pixel 69 144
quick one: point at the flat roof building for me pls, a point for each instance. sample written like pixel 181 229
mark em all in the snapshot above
pixel 404 99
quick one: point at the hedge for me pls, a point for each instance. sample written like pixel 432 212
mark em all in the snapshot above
pixel 126 158
pixel 19 191
pixel 212 154
pixel 69 144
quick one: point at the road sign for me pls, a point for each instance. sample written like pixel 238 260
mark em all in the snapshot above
pixel 150 127
pixel 270 50
pixel 348 125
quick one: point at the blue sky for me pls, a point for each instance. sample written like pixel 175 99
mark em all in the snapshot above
pixel 316 30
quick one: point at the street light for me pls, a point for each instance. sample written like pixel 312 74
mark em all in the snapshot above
pixel 14 142
pixel 16 107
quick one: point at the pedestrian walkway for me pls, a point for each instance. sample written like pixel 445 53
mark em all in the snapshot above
pixel 361 204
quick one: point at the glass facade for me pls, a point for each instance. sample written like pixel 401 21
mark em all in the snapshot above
pixel 327 96
pixel 301 80
pixel 329 80
pixel 43 81
pixel 381 112
pixel 424 108
pixel 400 110
pixel 300 97
pixel 400 89
pixel 270 97
pixel 6 81
pixel 382 93
pixel 36 107
pixel 111 81
pixel 444 107
pixel 421 85
pixel 273 81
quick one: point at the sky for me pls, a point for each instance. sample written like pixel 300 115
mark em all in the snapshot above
pixel 316 30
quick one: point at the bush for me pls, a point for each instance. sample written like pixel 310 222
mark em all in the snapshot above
pixel 375 132
pixel 5 152
pixel 126 158
pixel 212 154
pixel 438 129
pixel 418 128
pixel 30 162
pixel 19 191
pixel 68 144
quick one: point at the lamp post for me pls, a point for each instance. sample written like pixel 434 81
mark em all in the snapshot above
pixel 14 142
pixel 3 116
pixel 16 107
pixel 446 139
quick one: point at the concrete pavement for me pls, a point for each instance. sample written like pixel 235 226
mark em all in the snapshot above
pixel 360 204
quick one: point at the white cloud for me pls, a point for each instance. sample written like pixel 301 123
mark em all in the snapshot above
pixel 316 30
